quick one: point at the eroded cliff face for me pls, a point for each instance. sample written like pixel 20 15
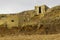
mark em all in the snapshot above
pixel 51 20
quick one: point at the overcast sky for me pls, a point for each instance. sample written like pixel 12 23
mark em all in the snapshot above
pixel 14 6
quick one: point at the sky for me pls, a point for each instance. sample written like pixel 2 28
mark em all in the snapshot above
pixel 15 6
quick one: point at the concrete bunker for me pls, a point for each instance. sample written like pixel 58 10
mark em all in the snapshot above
pixel 41 9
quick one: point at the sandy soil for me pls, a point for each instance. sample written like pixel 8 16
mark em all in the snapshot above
pixel 32 37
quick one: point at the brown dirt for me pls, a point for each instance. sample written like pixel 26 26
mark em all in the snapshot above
pixel 32 37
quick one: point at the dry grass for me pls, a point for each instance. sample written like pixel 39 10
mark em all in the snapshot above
pixel 32 37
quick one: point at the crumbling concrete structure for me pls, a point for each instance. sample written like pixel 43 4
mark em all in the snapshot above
pixel 41 9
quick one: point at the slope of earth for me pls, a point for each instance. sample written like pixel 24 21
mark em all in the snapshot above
pixel 51 21
pixel 48 24
pixel 26 16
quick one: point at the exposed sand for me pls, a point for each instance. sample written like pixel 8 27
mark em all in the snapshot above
pixel 32 37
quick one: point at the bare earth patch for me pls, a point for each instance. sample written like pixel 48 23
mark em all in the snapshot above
pixel 32 37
